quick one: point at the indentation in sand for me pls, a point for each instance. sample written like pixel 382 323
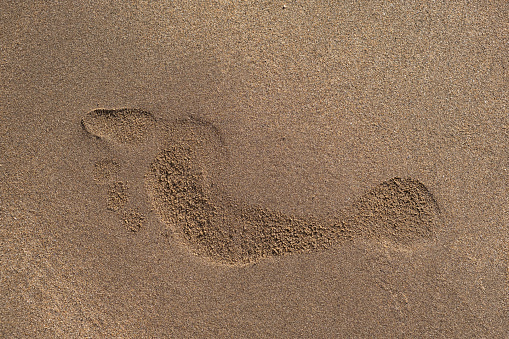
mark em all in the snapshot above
pixel 230 232
pixel 117 196
pixel 400 209
pixel 133 220
pixel 125 126
pixel 212 224
pixel 105 169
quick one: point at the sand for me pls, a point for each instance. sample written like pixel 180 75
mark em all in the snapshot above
pixel 254 169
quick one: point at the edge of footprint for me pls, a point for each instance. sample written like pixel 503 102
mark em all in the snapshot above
pixel 122 126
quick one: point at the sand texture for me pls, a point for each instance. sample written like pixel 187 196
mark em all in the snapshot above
pixel 254 169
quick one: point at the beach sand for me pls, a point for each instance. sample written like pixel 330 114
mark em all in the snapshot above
pixel 255 169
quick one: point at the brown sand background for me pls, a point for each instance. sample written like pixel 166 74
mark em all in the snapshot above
pixel 317 102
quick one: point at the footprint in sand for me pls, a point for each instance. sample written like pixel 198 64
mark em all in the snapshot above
pixel 212 224
pixel 125 126
pixel 121 127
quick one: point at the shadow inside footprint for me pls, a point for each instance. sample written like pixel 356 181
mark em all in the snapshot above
pixel 229 232
pixel 124 126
